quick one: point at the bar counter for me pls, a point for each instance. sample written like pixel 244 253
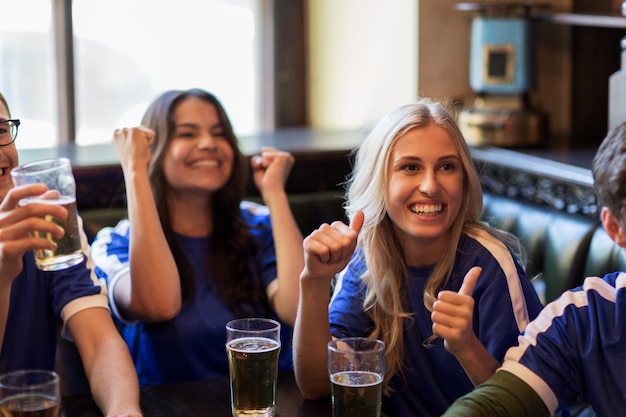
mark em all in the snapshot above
pixel 209 398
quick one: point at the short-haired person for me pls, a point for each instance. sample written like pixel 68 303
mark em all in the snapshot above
pixel 575 350
pixel 32 301
pixel 411 251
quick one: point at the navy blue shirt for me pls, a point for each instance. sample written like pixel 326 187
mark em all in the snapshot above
pixel 576 348
pixel 191 346
pixel 39 300
pixel 505 302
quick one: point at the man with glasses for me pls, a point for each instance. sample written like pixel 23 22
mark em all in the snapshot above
pixel 32 301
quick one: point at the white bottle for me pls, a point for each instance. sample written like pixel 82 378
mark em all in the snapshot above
pixel 617 92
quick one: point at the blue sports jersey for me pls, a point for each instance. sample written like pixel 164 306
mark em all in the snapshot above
pixel 192 345
pixel 39 299
pixel 576 348
pixel 505 302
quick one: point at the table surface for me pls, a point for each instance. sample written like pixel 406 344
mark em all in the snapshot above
pixel 204 398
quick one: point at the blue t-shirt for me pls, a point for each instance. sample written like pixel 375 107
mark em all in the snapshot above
pixel 576 348
pixel 505 302
pixel 191 346
pixel 39 299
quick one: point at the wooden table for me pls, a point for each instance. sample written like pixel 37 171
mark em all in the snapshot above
pixel 209 398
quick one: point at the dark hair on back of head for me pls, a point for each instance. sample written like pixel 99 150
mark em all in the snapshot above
pixel 609 171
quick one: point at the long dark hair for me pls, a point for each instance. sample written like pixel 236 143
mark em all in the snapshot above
pixel 609 175
pixel 230 261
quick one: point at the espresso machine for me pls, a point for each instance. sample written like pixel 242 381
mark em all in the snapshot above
pixel 501 74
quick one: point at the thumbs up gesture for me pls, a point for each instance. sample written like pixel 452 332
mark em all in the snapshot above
pixel 452 314
pixel 329 248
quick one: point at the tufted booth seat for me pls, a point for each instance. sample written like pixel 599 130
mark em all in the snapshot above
pixel 562 248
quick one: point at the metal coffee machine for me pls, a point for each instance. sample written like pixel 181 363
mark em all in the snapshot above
pixel 501 74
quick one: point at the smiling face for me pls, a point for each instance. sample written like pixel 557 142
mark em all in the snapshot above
pixel 199 157
pixel 425 192
pixel 8 158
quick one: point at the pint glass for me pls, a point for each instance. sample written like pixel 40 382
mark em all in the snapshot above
pixel 252 346
pixel 57 175
pixel 30 393
pixel 356 366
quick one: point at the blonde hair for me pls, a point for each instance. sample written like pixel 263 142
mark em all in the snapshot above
pixel 385 275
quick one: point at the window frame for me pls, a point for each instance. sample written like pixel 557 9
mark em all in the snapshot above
pixel 283 62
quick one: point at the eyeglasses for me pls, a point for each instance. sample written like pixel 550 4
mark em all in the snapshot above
pixel 8 131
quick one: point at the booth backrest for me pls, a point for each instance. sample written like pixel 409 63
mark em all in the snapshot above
pixel 562 248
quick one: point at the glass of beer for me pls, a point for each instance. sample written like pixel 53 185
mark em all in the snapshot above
pixel 356 366
pixel 30 393
pixel 57 175
pixel 252 346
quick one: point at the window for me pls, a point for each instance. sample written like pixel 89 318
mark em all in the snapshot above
pixel 27 69
pixel 125 53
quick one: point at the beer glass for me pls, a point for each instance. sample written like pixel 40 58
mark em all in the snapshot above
pixel 252 346
pixel 30 393
pixel 57 175
pixel 356 366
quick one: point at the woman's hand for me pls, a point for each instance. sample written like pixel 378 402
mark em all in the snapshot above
pixel 328 249
pixel 133 146
pixel 453 312
pixel 271 169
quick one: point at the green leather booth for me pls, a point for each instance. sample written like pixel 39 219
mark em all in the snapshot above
pixel 562 248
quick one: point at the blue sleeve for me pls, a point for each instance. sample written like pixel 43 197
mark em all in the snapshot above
pixel 70 284
pixel 346 314
pixel 258 218
pixel 110 250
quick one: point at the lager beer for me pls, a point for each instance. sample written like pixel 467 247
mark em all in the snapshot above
pixel 29 405
pixel 253 364
pixel 30 393
pixel 57 175
pixel 68 250
pixel 356 394
pixel 356 366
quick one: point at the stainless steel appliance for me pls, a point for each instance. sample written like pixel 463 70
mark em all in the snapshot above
pixel 501 75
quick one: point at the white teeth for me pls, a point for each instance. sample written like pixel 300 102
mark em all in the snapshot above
pixel 205 163
pixel 430 209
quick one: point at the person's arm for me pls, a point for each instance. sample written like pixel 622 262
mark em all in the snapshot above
pixel 270 171
pixel 17 224
pixel 502 395
pixel 107 362
pixel 151 292
pixel 327 252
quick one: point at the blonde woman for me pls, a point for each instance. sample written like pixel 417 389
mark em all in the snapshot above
pixel 446 293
